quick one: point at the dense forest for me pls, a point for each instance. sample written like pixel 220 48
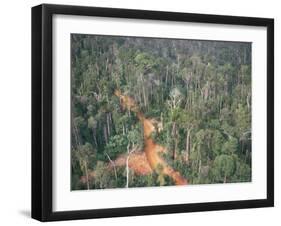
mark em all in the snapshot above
pixel 155 112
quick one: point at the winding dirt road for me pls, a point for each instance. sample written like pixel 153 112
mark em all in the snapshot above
pixel 151 149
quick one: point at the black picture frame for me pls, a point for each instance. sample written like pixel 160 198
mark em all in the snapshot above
pixel 42 107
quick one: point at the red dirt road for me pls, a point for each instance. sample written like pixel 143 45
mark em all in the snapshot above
pixel 151 149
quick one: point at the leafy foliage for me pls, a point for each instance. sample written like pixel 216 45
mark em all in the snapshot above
pixel 198 93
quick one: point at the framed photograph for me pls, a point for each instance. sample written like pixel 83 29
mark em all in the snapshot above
pixel 145 112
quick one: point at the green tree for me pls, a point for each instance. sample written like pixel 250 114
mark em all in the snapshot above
pixel 224 168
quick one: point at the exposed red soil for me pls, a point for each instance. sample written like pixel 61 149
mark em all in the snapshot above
pixel 137 162
pixel 148 160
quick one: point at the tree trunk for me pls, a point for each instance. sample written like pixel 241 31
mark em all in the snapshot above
pixel 113 164
pixel 106 64
pixel 167 72
pixel 127 171
pixel 87 175
pixel 127 162
pixel 95 137
pixel 174 135
pixel 143 91
pixel 105 134
pixel 248 101
pixel 176 147
pixel 187 149
pixel 76 133
pixel 199 170
pixel 108 123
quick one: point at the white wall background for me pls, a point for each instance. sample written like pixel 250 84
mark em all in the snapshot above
pixel 15 113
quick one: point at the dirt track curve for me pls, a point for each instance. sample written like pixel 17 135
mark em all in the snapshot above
pixel 151 149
